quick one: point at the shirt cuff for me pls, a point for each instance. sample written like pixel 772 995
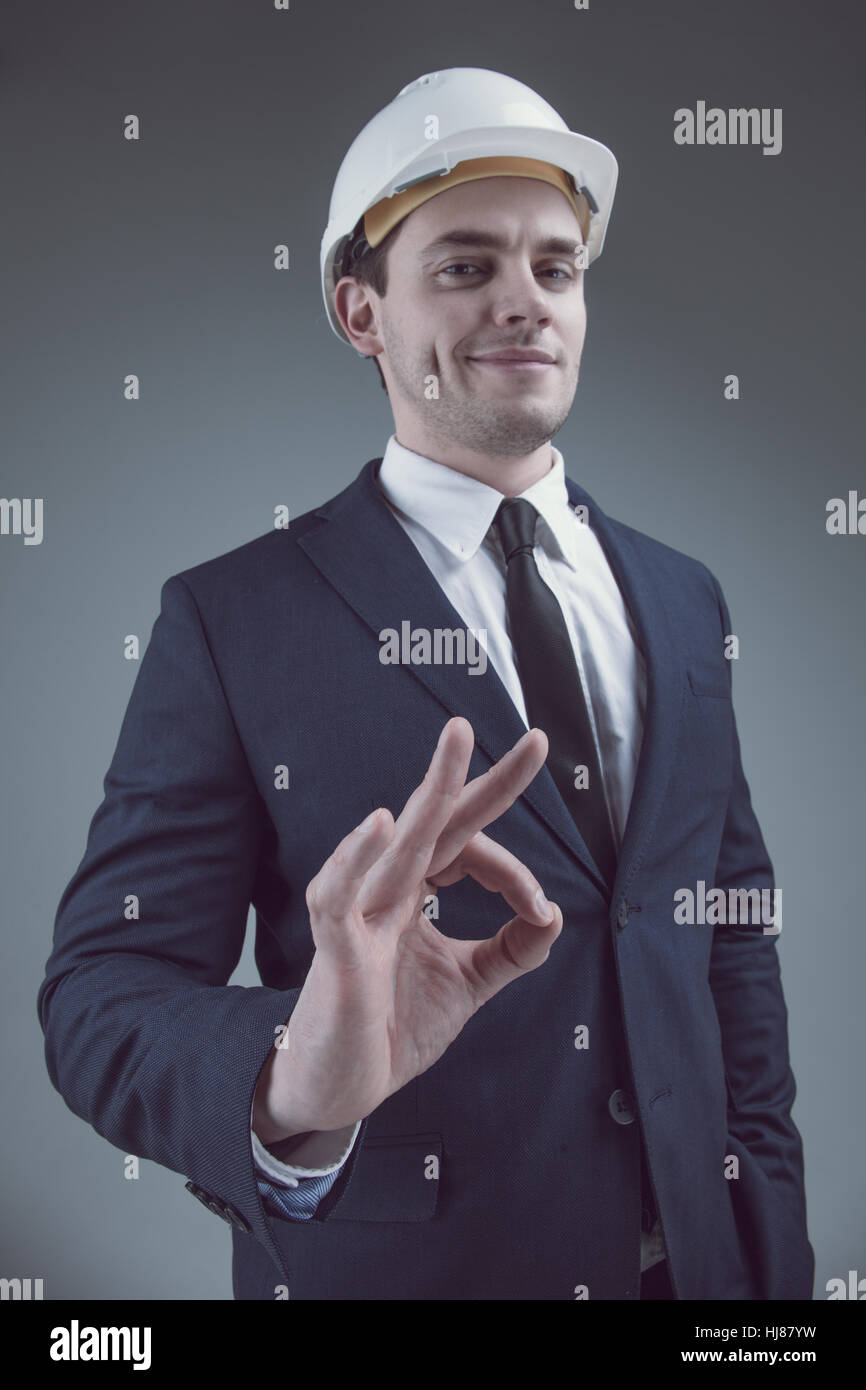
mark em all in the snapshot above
pixel 322 1152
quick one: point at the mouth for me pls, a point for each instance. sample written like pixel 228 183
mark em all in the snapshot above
pixel 515 360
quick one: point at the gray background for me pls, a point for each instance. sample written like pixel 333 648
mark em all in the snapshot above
pixel 156 258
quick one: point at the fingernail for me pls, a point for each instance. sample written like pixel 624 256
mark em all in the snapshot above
pixel 543 905
pixel 367 825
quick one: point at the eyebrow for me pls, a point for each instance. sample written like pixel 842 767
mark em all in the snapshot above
pixel 468 236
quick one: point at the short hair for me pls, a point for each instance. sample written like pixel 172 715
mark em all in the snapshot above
pixel 369 264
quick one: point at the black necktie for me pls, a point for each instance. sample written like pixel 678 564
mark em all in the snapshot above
pixel 555 703
pixel 551 682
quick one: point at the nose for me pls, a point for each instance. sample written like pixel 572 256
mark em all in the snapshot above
pixel 517 296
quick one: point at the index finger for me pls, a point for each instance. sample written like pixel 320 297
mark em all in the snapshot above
pixel 487 797
pixel 418 827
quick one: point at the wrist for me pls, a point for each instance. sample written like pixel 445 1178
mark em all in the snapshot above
pixel 272 1123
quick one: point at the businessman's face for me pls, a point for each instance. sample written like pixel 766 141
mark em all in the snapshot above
pixel 479 273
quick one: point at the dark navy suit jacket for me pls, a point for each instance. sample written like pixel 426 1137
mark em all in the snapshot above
pixel 501 1172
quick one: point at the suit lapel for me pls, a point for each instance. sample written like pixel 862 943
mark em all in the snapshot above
pixel 366 556
pixel 665 672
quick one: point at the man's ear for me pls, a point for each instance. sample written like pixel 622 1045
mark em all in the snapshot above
pixel 355 304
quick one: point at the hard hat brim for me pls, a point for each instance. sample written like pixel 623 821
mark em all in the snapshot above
pixel 591 164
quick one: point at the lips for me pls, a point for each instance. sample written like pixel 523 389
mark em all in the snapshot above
pixel 514 355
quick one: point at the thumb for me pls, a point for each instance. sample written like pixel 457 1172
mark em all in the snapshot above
pixel 518 947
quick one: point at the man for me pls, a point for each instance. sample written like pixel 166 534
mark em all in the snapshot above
pixel 591 1100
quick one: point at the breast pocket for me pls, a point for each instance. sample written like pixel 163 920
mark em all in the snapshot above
pixel 394 1179
pixel 706 679
pixel 706 736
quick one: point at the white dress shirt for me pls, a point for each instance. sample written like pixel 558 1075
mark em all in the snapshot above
pixel 448 517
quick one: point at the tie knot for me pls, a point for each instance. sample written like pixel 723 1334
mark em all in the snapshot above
pixel 515 523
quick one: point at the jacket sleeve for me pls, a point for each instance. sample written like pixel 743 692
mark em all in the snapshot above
pixel 747 989
pixel 144 1039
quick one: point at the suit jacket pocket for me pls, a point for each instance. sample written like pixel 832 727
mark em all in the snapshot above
pixel 706 679
pixel 395 1178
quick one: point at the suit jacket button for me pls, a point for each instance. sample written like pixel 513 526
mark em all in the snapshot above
pixel 237 1219
pixel 621 1107
pixel 622 914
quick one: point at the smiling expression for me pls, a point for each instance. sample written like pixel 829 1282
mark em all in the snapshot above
pixel 481 330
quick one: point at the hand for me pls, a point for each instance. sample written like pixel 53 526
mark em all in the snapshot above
pixel 387 992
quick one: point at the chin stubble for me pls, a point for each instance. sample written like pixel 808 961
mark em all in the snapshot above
pixel 474 421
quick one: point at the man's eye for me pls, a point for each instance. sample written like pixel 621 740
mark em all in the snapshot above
pixel 460 266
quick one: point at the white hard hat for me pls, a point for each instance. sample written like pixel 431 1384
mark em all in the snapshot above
pixel 439 120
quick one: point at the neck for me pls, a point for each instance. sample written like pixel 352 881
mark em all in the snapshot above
pixel 510 476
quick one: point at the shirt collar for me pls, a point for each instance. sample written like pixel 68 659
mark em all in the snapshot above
pixel 458 511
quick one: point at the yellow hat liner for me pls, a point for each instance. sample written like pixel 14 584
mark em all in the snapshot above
pixel 382 216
